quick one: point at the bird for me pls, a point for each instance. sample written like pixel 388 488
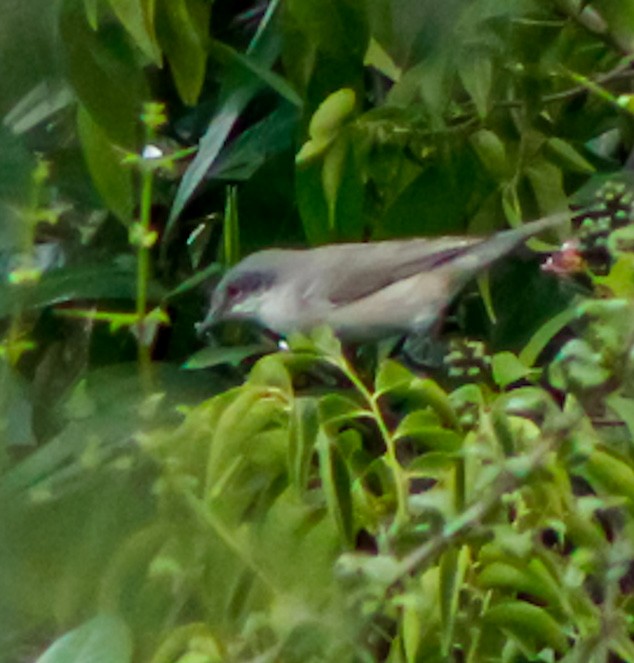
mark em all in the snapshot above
pixel 364 291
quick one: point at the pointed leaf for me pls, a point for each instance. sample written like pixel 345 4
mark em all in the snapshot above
pixel 137 17
pixel 112 181
pixel 104 639
pixel 336 486
pixel 181 27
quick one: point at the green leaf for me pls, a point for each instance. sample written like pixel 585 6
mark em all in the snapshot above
pixel 112 181
pixel 476 75
pixel 271 371
pixel 302 444
pixel 333 33
pixel 578 366
pixel 137 16
pixel 531 625
pixel 332 176
pixel 326 343
pixel 234 96
pixel 434 396
pixel 103 639
pixel 325 126
pixel 568 156
pixel 343 191
pixel 336 486
pixel 453 568
pixel 491 152
pixel 258 144
pixel 423 426
pixel 182 31
pixel 624 408
pixel 331 114
pixel 544 335
pixel 311 201
pixel 234 355
pixel 547 182
pixel 263 74
pixel 507 368
pixel 101 281
pixel 338 409
pixel 92 13
pixel 377 57
pixel 41 103
pixel 231 227
pixel 251 433
pixel 105 74
pixel 531 579
pixel 610 473
pixel 391 377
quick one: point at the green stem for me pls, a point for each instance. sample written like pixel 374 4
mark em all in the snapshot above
pixel 400 480
pixel 143 269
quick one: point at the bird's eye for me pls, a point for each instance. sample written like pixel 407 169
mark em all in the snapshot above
pixel 233 291
pixel 245 285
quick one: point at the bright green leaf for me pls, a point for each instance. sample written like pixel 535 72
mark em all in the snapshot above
pixel 137 16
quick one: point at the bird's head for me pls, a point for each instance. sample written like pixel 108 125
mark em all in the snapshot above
pixel 241 293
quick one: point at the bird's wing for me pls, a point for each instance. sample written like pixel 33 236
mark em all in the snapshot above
pixel 385 263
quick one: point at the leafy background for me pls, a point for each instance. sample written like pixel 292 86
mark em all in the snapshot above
pixel 164 501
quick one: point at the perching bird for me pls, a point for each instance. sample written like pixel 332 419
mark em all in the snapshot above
pixel 364 291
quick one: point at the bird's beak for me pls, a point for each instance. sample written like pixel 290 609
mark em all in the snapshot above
pixel 212 318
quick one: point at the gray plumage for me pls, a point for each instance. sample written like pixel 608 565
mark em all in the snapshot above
pixel 363 291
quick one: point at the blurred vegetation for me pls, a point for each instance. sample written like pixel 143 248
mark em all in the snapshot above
pixel 167 502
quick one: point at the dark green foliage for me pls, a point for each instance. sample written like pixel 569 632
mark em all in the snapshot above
pixel 242 502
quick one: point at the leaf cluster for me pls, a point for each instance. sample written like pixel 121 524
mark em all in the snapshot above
pixel 305 505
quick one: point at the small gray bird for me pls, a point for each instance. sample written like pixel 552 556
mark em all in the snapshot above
pixel 364 291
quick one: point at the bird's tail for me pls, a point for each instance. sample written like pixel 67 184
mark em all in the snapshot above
pixel 483 254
